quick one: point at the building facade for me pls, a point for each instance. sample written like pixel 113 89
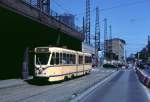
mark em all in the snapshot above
pixel 116 46
pixel 68 19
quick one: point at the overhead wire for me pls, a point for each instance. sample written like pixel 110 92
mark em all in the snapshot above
pixel 118 6
pixel 125 5
pixel 60 6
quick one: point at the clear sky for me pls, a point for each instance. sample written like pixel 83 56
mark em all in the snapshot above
pixel 130 19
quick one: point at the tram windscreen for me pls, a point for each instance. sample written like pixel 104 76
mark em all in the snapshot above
pixel 42 58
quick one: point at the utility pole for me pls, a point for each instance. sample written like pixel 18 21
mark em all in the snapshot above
pixel 87 22
pixel 97 34
pixel 110 30
pixel 148 48
pixel 83 28
pixel 110 42
pixel 105 38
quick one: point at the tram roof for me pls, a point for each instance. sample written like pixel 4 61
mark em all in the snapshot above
pixel 55 49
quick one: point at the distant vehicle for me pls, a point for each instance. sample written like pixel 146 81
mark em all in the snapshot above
pixel 123 67
pixel 55 64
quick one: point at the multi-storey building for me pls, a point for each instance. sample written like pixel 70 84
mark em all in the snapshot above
pixel 116 46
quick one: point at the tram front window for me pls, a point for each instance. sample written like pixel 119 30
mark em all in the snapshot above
pixel 42 58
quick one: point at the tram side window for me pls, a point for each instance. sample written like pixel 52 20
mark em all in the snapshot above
pixel 87 59
pixel 57 58
pixel 64 59
pixel 68 59
pixel 61 58
pixel 53 59
pixel 72 59
pixel 80 59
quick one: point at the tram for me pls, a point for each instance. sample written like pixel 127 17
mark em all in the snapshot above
pixel 55 64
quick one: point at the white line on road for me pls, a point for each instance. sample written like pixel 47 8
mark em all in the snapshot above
pixel 86 93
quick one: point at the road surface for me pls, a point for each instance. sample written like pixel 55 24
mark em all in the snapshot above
pixel 46 92
pixel 124 87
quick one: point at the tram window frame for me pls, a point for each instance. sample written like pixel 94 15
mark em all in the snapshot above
pixel 88 59
pixel 64 59
pixel 72 59
pixel 61 58
pixel 80 59
pixel 52 59
pixel 57 58
pixel 68 58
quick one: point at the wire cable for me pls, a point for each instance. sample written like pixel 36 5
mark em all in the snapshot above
pixel 118 6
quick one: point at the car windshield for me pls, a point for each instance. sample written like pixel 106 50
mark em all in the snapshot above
pixel 42 58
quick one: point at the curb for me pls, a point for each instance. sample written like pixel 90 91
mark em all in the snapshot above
pixel 143 78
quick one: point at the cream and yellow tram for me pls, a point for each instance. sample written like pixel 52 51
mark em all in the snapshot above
pixel 57 64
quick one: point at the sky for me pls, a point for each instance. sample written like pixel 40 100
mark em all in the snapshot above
pixel 130 19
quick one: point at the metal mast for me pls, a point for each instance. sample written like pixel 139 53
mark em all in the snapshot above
pixel 110 37
pixel 148 39
pixel 87 22
pixel 97 33
pixel 148 46
pixel 110 31
pixel 110 42
pixel 105 38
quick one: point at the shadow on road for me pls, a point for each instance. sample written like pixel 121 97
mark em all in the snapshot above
pixel 41 82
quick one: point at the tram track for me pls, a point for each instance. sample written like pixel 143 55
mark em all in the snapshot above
pixel 29 92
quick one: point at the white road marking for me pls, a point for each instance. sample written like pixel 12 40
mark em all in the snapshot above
pixel 86 93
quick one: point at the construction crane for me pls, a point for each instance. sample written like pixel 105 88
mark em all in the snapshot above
pixel 87 23
pixel 105 38
pixel 97 33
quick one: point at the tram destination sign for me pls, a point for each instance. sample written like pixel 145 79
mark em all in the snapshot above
pixel 42 50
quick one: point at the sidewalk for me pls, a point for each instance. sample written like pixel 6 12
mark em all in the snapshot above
pixel 11 82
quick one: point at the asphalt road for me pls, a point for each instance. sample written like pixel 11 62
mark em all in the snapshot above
pixel 57 92
pixel 124 87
